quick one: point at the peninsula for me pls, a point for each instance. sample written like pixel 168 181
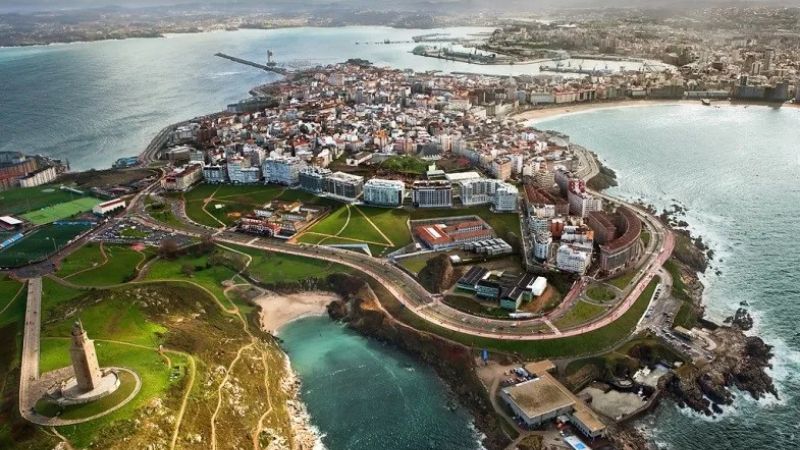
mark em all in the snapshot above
pixel 439 221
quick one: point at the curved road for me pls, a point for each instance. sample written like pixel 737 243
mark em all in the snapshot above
pixel 428 307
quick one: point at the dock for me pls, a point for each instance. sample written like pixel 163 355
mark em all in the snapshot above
pixel 268 68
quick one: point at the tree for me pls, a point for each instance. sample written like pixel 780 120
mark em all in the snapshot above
pixel 169 249
pixel 206 245
pixel 187 269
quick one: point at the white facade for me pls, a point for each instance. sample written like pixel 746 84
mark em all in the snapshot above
pixel 541 245
pixel 384 192
pixel 571 259
pixel 240 172
pixel 38 178
pixel 477 191
pixel 506 197
pixel 283 170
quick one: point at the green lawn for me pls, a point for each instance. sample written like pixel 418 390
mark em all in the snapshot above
pixel 600 293
pixel 275 267
pixel 121 266
pixel 415 263
pixel 12 300
pixel 580 313
pixel 363 226
pixel 623 280
pixel 472 306
pixel 209 277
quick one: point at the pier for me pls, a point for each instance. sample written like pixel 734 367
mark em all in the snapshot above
pixel 267 67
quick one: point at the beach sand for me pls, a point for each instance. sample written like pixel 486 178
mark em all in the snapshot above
pixel 279 309
pixel 548 112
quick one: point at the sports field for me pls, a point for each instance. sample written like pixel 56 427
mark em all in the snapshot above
pixel 38 244
pixel 384 230
pixel 21 200
pixel 60 211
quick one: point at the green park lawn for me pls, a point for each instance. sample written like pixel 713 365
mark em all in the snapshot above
pixel 86 266
pixel 580 313
pixel 274 267
pixel 622 281
pixel 384 230
pixel 600 293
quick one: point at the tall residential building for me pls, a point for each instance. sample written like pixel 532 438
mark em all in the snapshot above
pixel 571 258
pixel 312 179
pixel 384 192
pixel 241 172
pixel 581 202
pixel 344 186
pixel 477 191
pixel 541 245
pixel 502 168
pixel 432 194
pixel 214 174
pixel 283 170
pixel 506 197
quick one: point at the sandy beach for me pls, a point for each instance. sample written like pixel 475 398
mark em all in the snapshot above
pixel 279 309
pixel 544 113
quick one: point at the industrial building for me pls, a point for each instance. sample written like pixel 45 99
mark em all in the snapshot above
pixel 384 192
pixel 432 194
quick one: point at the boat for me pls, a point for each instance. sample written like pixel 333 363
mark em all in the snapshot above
pixel 706 101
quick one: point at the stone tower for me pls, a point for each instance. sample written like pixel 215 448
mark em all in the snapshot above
pixel 84 359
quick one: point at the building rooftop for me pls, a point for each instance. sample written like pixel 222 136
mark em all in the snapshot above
pixel 539 396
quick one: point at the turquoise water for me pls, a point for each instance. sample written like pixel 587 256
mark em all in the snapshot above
pixel 94 102
pixel 365 395
pixel 737 170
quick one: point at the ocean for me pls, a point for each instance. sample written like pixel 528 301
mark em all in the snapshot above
pixel 736 169
pixel 363 394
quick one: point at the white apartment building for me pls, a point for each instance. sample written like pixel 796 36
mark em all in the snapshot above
pixel 384 192
pixel 240 172
pixel 570 258
pixel 283 170
pixel 432 194
pixel 506 197
pixel 39 177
